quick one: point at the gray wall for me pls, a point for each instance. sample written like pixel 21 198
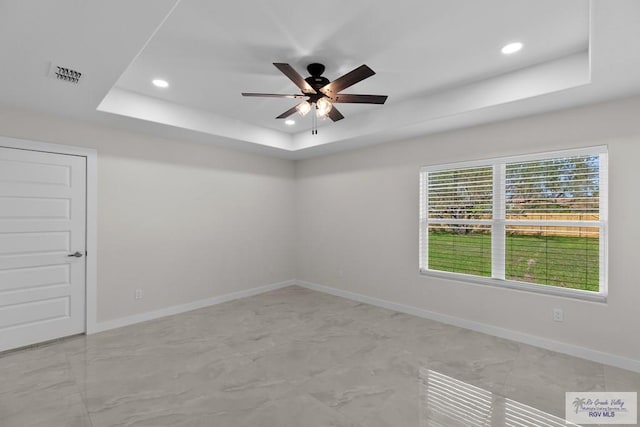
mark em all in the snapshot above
pixel 358 226
pixel 186 222
pixel 181 221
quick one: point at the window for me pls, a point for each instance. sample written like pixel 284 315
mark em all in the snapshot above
pixel 534 222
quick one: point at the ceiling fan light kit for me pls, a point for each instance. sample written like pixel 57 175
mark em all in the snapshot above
pixel 322 93
pixel 303 108
pixel 323 107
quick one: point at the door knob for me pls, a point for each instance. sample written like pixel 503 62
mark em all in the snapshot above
pixel 77 255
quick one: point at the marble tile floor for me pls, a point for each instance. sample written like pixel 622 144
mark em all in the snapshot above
pixel 293 357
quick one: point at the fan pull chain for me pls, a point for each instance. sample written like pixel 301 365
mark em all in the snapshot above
pixel 314 122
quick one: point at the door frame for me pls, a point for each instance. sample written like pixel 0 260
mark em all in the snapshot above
pixel 91 259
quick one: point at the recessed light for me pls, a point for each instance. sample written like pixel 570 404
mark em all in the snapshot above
pixel 289 122
pixel 512 48
pixel 160 83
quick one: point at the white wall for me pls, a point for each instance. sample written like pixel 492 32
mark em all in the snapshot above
pixel 181 221
pixel 358 226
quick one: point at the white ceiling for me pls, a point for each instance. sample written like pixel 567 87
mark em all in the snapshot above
pixel 438 60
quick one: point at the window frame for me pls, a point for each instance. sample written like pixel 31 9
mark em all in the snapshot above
pixel 499 223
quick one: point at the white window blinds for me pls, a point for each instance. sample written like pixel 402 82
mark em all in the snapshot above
pixel 460 206
pixel 537 219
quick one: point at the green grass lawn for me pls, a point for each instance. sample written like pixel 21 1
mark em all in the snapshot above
pixel 549 260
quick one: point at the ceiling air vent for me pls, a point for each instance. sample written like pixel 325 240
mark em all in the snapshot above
pixel 66 74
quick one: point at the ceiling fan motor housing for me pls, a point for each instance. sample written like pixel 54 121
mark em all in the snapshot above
pixel 315 80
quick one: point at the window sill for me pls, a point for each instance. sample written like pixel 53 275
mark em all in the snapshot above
pixel 521 286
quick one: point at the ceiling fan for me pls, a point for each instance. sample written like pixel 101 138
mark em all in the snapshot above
pixel 323 93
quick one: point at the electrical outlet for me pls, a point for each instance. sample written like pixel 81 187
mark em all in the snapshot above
pixel 137 294
pixel 558 315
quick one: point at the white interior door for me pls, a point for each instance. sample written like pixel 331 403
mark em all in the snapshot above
pixel 42 223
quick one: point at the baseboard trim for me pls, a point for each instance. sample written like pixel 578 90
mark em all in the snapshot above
pixel 560 347
pixel 182 308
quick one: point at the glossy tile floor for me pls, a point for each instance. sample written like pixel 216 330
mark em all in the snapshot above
pixel 298 358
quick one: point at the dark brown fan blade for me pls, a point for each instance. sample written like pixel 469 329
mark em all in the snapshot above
pixel 349 79
pixel 359 99
pixel 289 112
pixel 335 115
pixel 274 95
pixel 295 77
